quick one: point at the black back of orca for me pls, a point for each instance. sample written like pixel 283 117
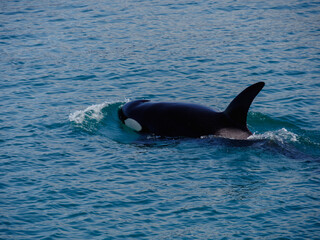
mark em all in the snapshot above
pixel 191 120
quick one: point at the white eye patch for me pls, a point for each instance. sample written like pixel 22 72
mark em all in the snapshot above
pixel 133 124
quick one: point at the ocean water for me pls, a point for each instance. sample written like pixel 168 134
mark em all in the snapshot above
pixel 71 170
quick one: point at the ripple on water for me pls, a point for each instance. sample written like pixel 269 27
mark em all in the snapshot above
pixel 88 176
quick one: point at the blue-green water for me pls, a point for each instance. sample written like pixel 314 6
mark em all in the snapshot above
pixel 70 170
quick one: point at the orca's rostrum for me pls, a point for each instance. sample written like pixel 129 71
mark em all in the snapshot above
pixel 174 119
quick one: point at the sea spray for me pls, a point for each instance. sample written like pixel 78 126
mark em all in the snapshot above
pixel 282 135
pixel 93 116
pixel 93 112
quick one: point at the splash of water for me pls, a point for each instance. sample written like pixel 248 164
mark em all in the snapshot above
pixel 91 118
pixel 93 112
pixel 282 135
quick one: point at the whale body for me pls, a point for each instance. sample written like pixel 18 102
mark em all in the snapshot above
pixel 175 119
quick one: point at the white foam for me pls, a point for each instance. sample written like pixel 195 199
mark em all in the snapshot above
pixel 92 112
pixel 282 135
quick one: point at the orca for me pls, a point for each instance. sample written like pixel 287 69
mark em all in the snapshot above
pixel 175 119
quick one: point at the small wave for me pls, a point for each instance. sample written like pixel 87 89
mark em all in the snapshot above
pixel 93 112
pixel 93 116
pixel 282 135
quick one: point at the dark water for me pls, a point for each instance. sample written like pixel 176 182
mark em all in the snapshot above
pixel 70 170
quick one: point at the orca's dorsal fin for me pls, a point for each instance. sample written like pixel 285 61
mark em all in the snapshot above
pixel 238 109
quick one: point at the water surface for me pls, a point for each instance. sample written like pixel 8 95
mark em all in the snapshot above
pixel 70 170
